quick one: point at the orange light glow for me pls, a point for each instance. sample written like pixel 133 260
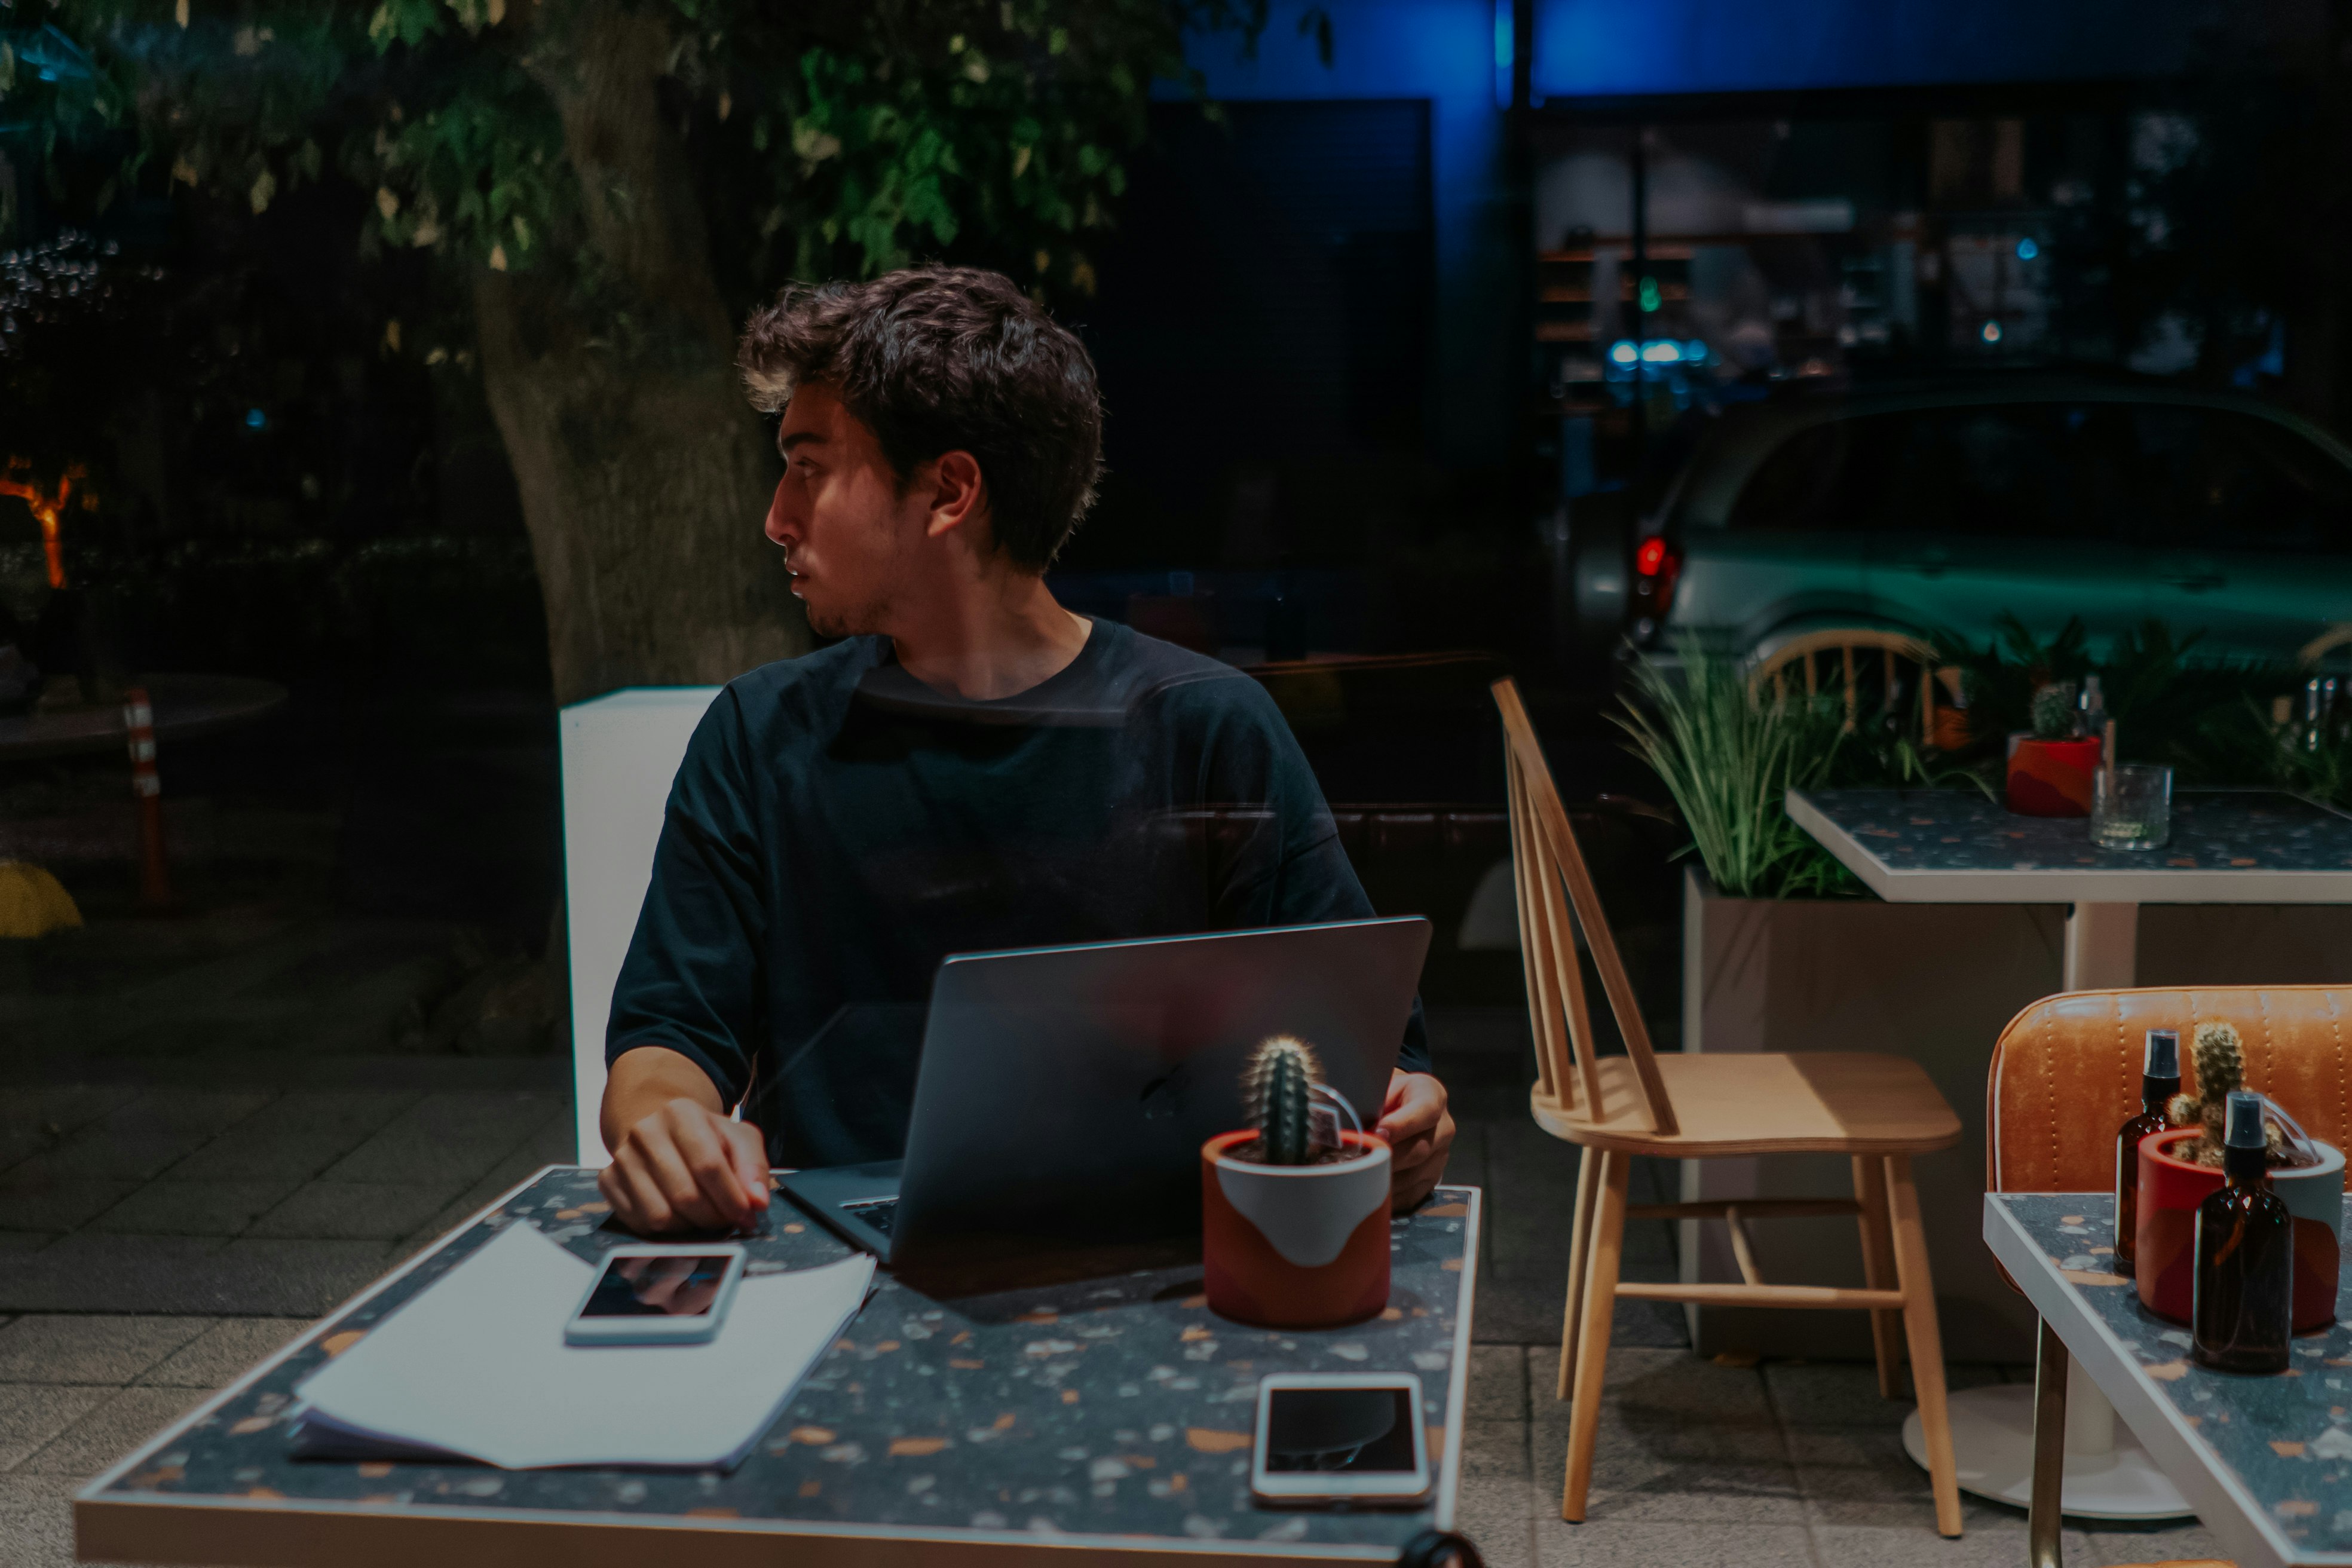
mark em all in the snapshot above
pixel 47 509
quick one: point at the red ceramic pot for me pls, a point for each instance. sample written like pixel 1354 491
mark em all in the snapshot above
pixel 2053 778
pixel 2166 1240
pixel 1295 1247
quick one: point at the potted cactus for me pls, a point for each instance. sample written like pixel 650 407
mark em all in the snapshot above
pixel 2050 770
pixel 2179 1167
pixel 1294 1208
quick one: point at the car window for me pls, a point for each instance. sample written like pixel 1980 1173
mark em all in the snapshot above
pixel 2225 481
pixel 1813 482
pixel 2026 470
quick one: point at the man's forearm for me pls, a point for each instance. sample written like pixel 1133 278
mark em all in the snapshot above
pixel 645 1079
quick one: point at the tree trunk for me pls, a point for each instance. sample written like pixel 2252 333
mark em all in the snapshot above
pixel 643 471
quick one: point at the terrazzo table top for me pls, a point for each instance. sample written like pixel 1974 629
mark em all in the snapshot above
pixel 1955 847
pixel 2266 1461
pixel 1115 1413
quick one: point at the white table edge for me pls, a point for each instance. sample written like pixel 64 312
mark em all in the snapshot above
pixel 1999 885
pixel 93 1493
pixel 2244 1529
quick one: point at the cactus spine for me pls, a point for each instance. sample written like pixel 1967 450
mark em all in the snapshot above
pixel 1278 1090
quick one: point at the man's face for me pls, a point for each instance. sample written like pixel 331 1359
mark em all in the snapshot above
pixel 846 532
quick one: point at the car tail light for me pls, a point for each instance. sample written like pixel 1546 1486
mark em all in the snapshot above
pixel 1657 564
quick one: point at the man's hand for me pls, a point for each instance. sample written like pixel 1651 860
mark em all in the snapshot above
pixel 677 1164
pixel 1420 1134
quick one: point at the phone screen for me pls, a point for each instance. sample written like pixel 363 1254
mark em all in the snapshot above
pixel 682 1286
pixel 1340 1431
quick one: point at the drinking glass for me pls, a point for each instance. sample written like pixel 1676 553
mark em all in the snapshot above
pixel 2131 807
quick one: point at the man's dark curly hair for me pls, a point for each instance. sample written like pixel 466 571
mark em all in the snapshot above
pixel 942 359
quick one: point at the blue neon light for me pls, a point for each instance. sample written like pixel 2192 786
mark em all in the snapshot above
pixel 255 419
pixel 1507 52
pixel 2027 251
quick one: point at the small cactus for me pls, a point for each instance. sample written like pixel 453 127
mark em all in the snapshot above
pixel 1278 1091
pixel 2054 711
pixel 2221 1059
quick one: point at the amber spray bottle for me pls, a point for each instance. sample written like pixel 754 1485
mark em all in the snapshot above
pixel 2245 1301
pixel 2159 1081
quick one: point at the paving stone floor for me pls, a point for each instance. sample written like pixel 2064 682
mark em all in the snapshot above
pixel 166 1222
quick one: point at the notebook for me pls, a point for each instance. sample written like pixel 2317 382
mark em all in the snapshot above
pixel 475 1367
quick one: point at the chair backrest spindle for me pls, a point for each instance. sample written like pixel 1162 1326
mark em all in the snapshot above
pixel 1545 843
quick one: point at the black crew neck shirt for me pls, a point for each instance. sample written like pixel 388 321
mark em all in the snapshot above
pixel 837 829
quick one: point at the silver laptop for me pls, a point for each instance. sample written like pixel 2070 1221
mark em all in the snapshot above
pixel 1064 1093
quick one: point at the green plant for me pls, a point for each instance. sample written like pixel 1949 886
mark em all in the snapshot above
pixel 1278 1092
pixel 1728 762
pixel 2054 711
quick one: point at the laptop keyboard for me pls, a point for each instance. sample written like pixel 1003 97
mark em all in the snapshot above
pixel 878 1212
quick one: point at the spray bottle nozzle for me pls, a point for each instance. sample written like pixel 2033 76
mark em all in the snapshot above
pixel 2163 1053
pixel 2245 1125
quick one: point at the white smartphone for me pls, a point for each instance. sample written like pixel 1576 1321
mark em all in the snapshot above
pixel 657 1296
pixel 1341 1436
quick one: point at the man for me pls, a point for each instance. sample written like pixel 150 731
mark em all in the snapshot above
pixel 972 767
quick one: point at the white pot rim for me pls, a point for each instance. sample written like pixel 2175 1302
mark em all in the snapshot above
pixel 1377 1153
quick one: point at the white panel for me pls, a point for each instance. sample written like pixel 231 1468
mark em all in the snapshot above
pixel 620 753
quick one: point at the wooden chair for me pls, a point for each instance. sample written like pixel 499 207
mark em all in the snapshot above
pixel 1878 1110
pixel 1893 649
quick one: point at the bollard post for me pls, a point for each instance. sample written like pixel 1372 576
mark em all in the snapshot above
pixel 154 876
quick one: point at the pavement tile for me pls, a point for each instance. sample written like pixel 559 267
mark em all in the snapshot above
pixel 1625 1543
pixel 60 1348
pixel 170 1206
pixel 1498 1384
pixel 36 1117
pixel 37 1521
pixel 34 1197
pixel 1681 1439
pixel 1984 1544
pixel 458 1135
pixel 2177 1540
pixel 127 1417
pixel 297 1135
pixel 510 1174
pixel 1860 1478
pixel 1845 1393
pixel 137 1139
pixel 1495 1503
pixel 355 1211
pixel 259 1277
pixel 92 1272
pixel 224 1353
pixel 33 1412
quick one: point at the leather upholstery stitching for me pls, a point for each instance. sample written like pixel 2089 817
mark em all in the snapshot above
pixel 2049 1084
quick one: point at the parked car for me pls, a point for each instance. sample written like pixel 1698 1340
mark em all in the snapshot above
pixel 1926 507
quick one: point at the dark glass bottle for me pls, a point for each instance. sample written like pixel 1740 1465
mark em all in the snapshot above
pixel 2244 1301
pixel 2159 1081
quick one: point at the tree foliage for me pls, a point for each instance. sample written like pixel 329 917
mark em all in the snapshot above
pixel 846 135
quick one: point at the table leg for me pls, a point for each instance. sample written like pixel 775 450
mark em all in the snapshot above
pixel 2101 946
pixel 2043 1519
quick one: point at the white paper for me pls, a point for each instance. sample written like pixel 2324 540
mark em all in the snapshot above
pixel 476 1365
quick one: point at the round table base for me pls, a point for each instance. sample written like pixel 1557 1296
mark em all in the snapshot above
pixel 1992 1439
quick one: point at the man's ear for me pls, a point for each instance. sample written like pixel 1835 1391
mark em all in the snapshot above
pixel 959 494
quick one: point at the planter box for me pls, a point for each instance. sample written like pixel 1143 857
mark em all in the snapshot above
pixel 1936 982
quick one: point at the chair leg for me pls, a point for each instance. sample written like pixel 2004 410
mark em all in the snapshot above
pixel 1879 1272
pixel 1579 1243
pixel 1592 1338
pixel 1927 1340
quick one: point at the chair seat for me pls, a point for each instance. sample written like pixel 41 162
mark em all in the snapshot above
pixel 1739 1102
